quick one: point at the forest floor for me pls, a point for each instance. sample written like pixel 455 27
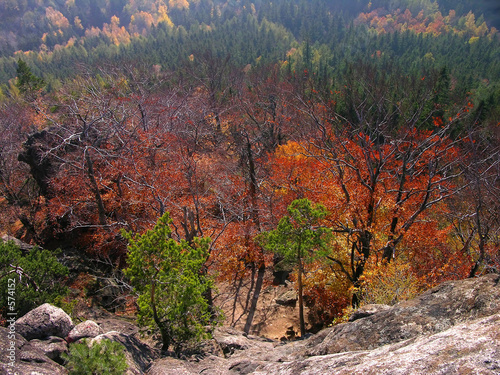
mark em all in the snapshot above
pixel 272 320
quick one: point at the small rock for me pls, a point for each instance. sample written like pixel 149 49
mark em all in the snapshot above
pixel 288 298
pixel 89 328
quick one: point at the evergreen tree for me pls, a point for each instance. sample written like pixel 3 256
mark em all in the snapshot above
pixel 34 278
pixel 101 358
pixel 27 82
pixel 296 238
pixel 168 277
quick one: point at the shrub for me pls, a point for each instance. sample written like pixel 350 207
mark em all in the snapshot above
pixel 28 280
pixel 168 277
pixel 389 284
pixel 101 358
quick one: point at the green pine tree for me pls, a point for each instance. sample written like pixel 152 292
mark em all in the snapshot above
pixel 27 82
pixel 297 237
pixel 102 358
pixel 29 279
pixel 167 275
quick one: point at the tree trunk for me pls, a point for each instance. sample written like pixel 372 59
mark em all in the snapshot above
pixel 255 298
pixel 364 248
pixel 255 218
pixel 95 189
pixel 301 301
pixel 165 337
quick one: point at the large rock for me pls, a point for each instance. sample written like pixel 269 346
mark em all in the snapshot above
pixel 468 348
pixel 44 321
pixel 18 356
pixel 452 329
pixel 139 355
pixel 434 311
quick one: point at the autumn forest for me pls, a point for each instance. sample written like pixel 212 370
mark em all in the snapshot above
pixel 371 127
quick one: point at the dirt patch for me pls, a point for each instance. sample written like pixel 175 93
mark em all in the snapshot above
pixel 271 320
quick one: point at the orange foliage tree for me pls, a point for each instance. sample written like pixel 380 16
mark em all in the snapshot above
pixel 376 172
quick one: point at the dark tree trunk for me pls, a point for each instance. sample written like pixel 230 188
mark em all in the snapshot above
pixel 255 297
pixel 95 190
pixel 301 301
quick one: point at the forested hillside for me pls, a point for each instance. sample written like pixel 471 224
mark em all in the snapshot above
pixel 363 135
pixel 55 38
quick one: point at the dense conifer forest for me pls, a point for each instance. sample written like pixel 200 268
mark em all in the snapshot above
pixel 240 120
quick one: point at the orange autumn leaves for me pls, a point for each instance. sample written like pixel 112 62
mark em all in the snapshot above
pixel 385 201
pixel 123 157
pixel 432 23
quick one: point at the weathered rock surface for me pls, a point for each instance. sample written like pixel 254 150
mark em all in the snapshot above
pixel 434 311
pixel 468 348
pixel 29 359
pixel 451 329
pixel 53 347
pixel 139 355
pixel 367 310
pixel 88 328
pixel 44 321
pixel 210 365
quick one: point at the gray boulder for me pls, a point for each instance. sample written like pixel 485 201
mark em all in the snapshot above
pixel 18 356
pixel 287 298
pixel 44 321
pixel 88 328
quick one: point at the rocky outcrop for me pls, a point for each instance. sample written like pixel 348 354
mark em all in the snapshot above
pixel 18 356
pixel 38 339
pixel 451 329
pixel 468 348
pixel 44 321
pixel 434 311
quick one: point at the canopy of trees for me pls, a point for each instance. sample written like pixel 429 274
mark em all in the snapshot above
pixel 224 113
